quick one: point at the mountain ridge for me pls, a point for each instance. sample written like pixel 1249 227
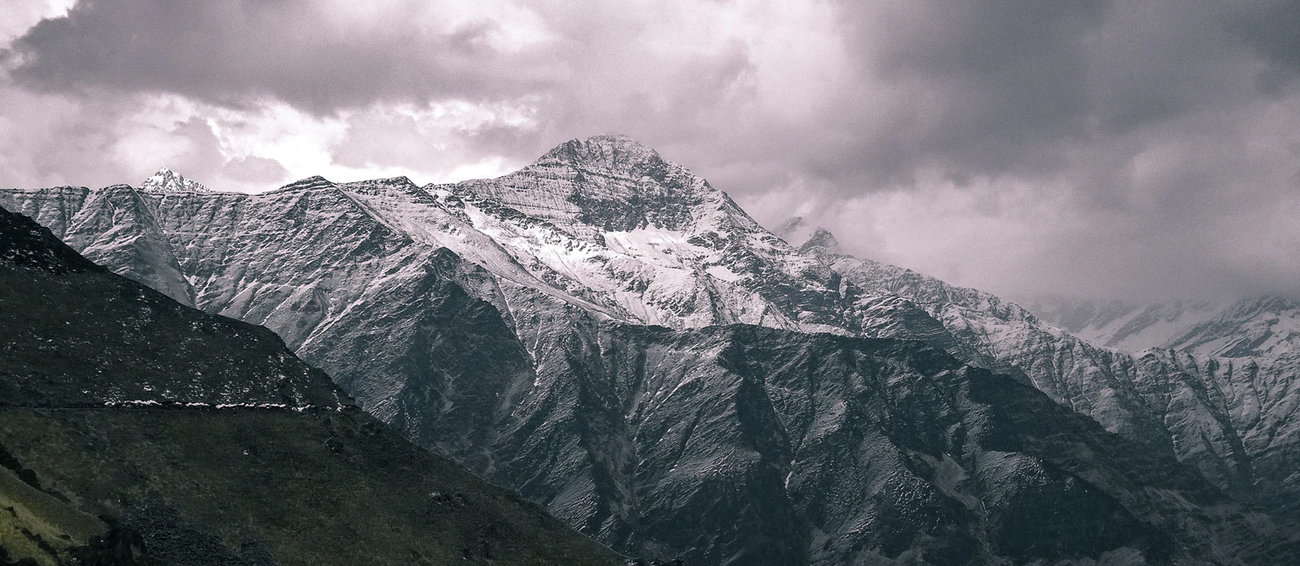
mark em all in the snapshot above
pixel 544 275
pixel 1259 327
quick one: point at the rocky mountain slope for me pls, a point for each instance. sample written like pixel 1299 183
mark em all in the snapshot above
pixel 610 335
pixel 134 430
pixel 1235 419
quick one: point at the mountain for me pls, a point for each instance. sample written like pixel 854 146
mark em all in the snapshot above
pixel 616 339
pixel 135 430
pixel 1261 327
pixel 168 181
pixel 1230 417
pixel 815 239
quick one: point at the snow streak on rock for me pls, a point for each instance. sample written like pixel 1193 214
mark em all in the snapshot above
pixel 168 181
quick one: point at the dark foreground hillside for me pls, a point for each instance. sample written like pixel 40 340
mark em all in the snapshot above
pixel 134 430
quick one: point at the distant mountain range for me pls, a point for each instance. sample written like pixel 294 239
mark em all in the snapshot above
pixel 1261 327
pixel 616 339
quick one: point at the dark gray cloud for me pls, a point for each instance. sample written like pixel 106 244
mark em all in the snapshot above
pixel 1167 123
pixel 997 86
pixel 231 51
pixel 1272 29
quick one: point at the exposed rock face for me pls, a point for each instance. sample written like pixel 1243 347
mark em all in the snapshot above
pixel 1235 419
pixel 616 339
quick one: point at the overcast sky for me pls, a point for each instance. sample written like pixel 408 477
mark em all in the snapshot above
pixel 1139 149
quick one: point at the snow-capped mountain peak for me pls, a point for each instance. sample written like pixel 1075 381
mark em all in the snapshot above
pixel 808 238
pixel 600 184
pixel 821 242
pixel 168 181
pixel 614 151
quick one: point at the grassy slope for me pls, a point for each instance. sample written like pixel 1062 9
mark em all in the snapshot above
pixel 315 488
pixel 324 484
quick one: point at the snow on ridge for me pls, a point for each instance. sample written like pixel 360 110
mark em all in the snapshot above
pixel 168 181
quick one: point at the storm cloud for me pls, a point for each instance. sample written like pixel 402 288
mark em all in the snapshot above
pixel 317 56
pixel 1109 148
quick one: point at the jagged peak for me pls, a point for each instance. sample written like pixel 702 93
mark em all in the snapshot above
pixel 606 182
pixel 609 152
pixel 401 180
pixel 168 181
pixel 606 142
pixel 312 182
pixel 822 241
pixel 808 238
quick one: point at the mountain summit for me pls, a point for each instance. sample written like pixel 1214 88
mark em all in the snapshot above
pixel 605 152
pixel 168 181
pixel 608 182
pixel 807 238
